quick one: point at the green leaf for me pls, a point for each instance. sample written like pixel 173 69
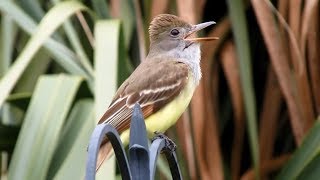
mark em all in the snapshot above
pixel 63 55
pixel 7 38
pixel 53 19
pixel 106 58
pixel 101 8
pixel 39 135
pixel 110 62
pixel 74 39
pixel 33 8
pixel 37 66
pixel 124 66
pixel 128 20
pixel 312 171
pixel 240 33
pixel 70 156
pixel 20 100
pixel 308 151
pixel 8 33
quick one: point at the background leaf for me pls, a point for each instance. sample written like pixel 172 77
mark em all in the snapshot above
pixel 239 24
pixel 71 154
pixel 63 55
pixel 45 120
pixel 107 34
pixel 52 20
pixel 308 152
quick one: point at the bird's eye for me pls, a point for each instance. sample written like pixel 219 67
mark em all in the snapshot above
pixel 174 32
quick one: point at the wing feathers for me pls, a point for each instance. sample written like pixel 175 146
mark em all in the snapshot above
pixel 151 88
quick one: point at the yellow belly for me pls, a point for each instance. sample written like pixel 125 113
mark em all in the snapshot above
pixel 169 114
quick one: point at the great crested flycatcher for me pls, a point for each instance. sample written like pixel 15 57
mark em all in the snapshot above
pixel 163 84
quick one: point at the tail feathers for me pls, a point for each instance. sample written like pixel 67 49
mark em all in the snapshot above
pixel 105 153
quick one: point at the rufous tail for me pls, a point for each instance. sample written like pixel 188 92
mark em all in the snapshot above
pixel 105 153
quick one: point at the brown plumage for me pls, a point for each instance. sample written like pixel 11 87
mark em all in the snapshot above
pixel 163 22
pixel 143 79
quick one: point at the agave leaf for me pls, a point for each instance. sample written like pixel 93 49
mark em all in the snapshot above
pixel 312 170
pixel 239 25
pixel 111 67
pixel 38 66
pixel 54 18
pixel 101 8
pixel 62 54
pixel 7 37
pixel 69 160
pixel 304 155
pixel 106 59
pixel 39 135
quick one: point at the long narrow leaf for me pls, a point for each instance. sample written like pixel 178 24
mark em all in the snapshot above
pixel 101 8
pixel 55 17
pixel 7 37
pixel 70 157
pixel 312 171
pixel 240 32
pixel 107 35
pixel 63 55
pixel 280 63
pixel 8 32
pixel 308 150
pixel 106 63
pixel 37 67
pixel 74 39
pixel 111 69
pixel 76 43
pixel 128 20
pixel 44 120
pixel 33 8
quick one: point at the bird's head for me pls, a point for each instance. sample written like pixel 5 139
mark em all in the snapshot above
pixel 170 33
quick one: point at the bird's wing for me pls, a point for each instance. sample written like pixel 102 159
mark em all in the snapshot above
pixel 146 87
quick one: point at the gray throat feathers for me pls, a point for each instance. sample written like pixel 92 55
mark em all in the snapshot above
pixel 190 56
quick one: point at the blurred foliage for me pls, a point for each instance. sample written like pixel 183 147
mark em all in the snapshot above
pixel 253 114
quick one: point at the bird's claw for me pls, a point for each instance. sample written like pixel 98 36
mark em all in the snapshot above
pixel 169 144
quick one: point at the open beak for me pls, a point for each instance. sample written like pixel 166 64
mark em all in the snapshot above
pixel 197 28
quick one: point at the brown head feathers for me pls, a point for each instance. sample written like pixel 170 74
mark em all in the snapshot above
pixel 165 22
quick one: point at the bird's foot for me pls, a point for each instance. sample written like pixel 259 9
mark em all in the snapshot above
pixel 170 145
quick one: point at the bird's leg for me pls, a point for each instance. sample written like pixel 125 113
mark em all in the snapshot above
pixel 170 145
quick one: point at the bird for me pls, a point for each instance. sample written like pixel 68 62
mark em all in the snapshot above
pixel 163 84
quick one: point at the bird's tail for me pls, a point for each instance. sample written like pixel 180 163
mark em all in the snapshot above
pixel 105 153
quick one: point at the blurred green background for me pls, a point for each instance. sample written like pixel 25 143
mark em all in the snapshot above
pixel 253 116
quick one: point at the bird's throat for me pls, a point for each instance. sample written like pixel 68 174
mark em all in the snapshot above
pixel 190 56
